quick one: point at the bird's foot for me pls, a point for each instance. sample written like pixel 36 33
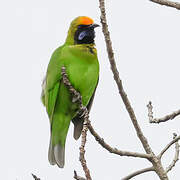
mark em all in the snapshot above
pixel 83 112
pixel 76 97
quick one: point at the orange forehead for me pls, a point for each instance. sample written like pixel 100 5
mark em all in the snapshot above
pixel 85 20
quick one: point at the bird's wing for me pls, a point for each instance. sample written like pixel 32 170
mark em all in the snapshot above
pixel 51 97
pixel 51 83
pixel 48 97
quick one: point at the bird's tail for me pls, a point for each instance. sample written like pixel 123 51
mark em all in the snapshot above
pixel 56 154
pixel 59 131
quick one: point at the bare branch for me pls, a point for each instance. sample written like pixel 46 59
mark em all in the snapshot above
pixel 163 119
pixel 176 156
pixel 118 80
pixel 167 3
pixel 150 112
pixel 138 173
pixel 82 148
pixel 168 146
pixel 35 177
pixel 76 97
pixel 115 150
pixel 155 161
pixel 78 177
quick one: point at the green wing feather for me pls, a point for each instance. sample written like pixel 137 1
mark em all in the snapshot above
pixel 51 83
pixel 51 99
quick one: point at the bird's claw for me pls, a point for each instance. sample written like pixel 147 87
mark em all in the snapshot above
pixel 83 112
pixel 76 97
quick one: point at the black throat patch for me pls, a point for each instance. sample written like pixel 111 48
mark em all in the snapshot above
pixel 85 34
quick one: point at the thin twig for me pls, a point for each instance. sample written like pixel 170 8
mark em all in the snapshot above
pixel 82 148
pixel 76 98
pixel 138 173
pixel 167 3
pixel 163 119
pixel 176 156
pixel 150 111
pixel 115 150
pixel 168 146
pixel 35 177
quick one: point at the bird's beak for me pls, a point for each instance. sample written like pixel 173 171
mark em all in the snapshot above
pixel 94 25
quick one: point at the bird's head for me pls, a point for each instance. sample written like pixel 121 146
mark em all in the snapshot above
pixel 81 31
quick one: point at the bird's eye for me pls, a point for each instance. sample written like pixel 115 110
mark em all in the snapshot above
pixel 82 35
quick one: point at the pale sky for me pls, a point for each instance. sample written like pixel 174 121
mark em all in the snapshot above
pixel 146 44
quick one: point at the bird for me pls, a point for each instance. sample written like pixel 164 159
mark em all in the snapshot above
pixel 79 57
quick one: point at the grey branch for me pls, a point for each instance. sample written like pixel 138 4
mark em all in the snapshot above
pixel 176 156
pixel 138 173
pixel 158 168
pixel 163 119
pixel 150 112
pixel 167 3
pixel 118 80
pixel 76 97
pixel 168 146
pixel 82 148
pixel 115 150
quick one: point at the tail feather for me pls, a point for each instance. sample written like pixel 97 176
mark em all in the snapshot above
pixel 56 154
pixel 51 153
pixel 59 154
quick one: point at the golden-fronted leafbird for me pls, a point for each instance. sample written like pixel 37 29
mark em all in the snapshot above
pixel 79 56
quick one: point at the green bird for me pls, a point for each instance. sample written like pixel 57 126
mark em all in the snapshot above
pixel 79 56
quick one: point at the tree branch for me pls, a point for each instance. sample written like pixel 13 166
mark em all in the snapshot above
pixel 76 98
pixel 138 173
pixel 82 148
pixel 167 3
pixel 115 150
pixel 168 146
pixel 163 119
pixel 118 80
pixel 176 156
pixel 154 160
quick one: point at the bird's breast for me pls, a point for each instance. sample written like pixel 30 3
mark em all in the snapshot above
pixel 83 70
